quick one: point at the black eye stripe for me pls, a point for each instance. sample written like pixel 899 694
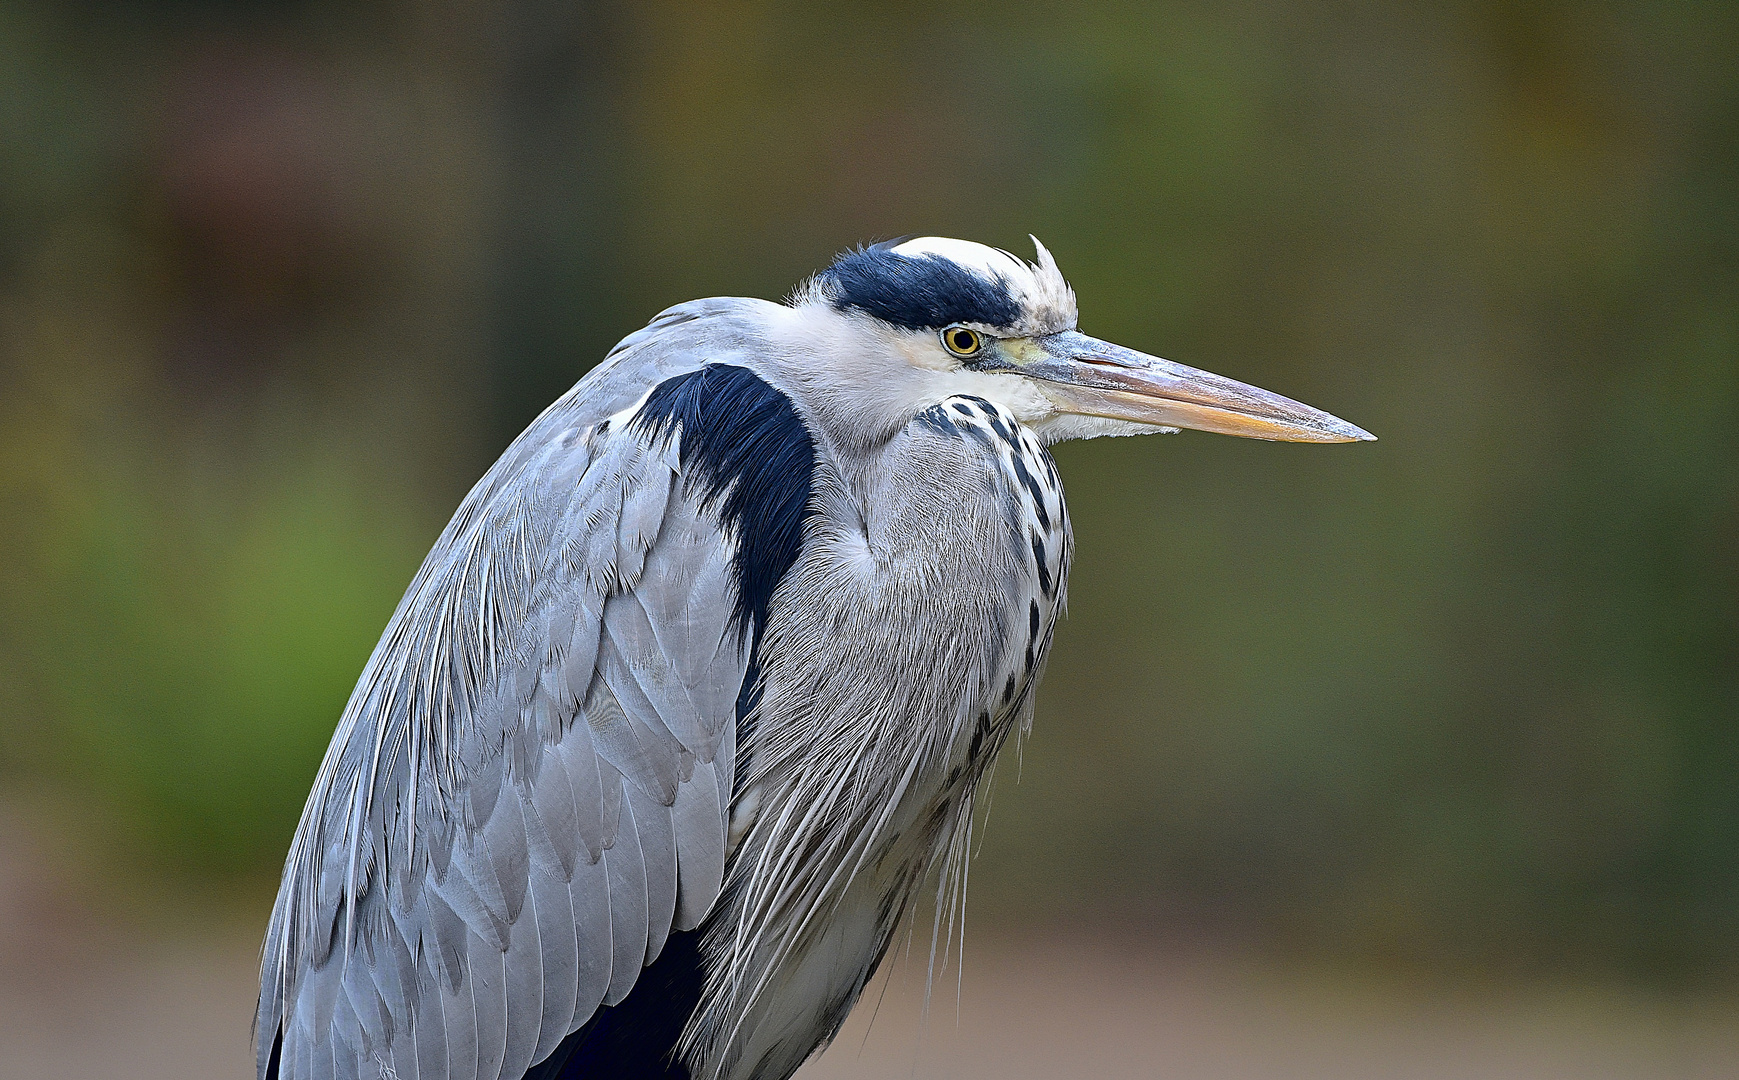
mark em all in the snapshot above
pixel 918 291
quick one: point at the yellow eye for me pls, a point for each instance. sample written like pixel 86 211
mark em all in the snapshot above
pixel 961 341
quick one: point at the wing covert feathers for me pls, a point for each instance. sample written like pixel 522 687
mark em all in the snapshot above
pixel 528 790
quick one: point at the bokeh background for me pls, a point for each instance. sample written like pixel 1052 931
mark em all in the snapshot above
pixel 1428 747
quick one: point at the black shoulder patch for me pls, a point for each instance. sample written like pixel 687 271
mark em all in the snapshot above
pixel 922 292
pixel 750 449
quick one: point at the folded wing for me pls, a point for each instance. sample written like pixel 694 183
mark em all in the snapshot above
pixel 528 790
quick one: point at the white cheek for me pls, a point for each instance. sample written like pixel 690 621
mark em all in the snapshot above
pixel 924 352
pixel 1029 404
pixel 1016 393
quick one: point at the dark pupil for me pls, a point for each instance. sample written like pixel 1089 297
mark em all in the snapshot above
pixel 962 341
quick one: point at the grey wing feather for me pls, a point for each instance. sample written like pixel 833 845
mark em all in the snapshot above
pixel 560 950
pixel 528 790
pixel 461 1012
pixel 533 948
pixel 629 921
pixel 698 815
pixel 658 856
pixel 589 892
pixel 430 1022
pixel 489 1001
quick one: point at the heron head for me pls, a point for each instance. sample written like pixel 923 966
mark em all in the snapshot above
pixel 909 323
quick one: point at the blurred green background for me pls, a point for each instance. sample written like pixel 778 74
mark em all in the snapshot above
pixel 278 281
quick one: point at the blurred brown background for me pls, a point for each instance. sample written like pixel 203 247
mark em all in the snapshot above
pixel 1412 759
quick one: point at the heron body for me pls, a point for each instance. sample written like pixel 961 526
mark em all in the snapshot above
pixel 697 689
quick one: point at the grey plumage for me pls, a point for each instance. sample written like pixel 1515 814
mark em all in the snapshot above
pixel 460 780
pixel 559 754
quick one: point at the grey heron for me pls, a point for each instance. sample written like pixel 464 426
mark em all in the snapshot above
pixel 698 687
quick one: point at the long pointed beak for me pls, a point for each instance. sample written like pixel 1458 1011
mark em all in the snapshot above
pixel 1096 378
